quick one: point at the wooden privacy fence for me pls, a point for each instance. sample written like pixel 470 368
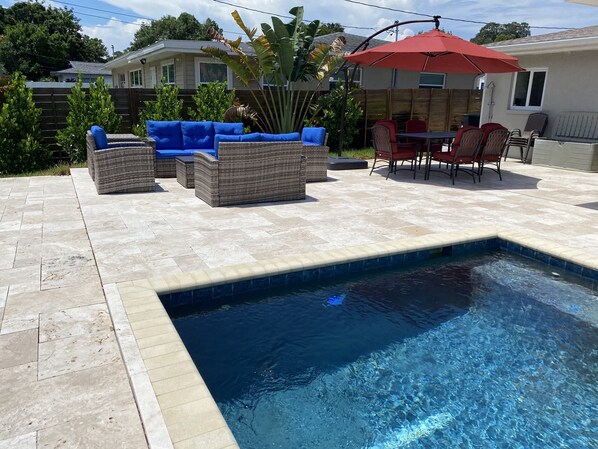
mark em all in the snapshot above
pixel 442 108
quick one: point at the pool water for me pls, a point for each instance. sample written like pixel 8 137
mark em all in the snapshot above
pixel 488 352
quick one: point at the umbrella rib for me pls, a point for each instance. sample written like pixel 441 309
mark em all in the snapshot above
pixel 478 68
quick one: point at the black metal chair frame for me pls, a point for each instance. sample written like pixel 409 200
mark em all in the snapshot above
pixel 534 127
pixel 495 144
pixel 382 144
pixel 469 147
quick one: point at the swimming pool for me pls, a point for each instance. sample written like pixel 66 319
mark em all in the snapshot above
pixel 481 352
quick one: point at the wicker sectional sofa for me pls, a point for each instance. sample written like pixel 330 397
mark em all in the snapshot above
pixel 251 172
pixel 171 139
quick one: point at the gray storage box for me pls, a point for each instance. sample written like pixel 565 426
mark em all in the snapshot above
pixel 572 155
pixel 574 143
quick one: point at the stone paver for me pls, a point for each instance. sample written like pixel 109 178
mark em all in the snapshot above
pixel 62 246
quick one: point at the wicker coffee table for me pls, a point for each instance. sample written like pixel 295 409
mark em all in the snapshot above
pixel 184 171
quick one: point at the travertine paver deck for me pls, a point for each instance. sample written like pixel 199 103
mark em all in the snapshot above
pixel 64 249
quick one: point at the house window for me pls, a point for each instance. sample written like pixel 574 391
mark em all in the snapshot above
pixel 528 91
pixel 168 72
pixel 431 80
pixel 136 80
pixel 340 77
pixel 269 82
pixel 211 71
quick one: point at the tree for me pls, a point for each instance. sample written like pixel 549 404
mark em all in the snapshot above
pixel 39 39
pixel 167 106
pixel 185 27
pixel 284 57
pixel 20 131
pixel 329 28
pixel 85 110
pixel 495 32
pixel 211 101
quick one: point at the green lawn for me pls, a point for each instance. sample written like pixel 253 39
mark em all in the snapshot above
pixel 363 153
pixel 56 170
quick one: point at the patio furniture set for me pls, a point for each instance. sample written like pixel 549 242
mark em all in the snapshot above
pixel 224 165
pixel 469 145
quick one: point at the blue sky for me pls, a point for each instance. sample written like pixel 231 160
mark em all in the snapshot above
pixel 115 21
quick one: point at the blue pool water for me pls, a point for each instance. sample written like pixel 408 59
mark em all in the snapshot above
pixel 488 352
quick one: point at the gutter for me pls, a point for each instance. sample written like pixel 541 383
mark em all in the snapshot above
pixel 555 46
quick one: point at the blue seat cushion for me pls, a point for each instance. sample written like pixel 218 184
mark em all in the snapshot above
pixel 172 153
pixel 252 137
pixel 230 129
pixel 167 134
pixel 99 136
pixel 198 135
pixel 314 136
pixel 223 138
pixel 288 137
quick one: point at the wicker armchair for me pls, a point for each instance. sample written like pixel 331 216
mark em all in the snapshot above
pixel 125 168
pixel 251 172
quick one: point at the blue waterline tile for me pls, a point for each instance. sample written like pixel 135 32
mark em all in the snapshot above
pixel 262 283
pixel 396 260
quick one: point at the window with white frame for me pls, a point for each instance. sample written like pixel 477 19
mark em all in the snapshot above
pixel 135 78
pixel 269 82
pixel 528 89
pixel 340 77
pixel 431 80
pixel 209 71
pixel 168 72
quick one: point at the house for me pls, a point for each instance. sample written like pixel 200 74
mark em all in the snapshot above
pixel 89 71
pixel 560 76
pixel 183 63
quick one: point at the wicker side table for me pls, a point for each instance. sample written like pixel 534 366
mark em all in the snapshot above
pixel 184 171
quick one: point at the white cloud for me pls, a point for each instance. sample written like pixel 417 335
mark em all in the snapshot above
pixel 114 33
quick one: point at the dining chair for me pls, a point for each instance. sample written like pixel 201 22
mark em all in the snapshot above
pixel 392 152
pixel 494 144
pixel 463 151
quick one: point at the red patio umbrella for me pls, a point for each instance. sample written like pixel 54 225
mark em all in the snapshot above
pixel 436 51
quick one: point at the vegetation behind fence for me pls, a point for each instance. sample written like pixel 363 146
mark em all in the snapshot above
pixel 442 108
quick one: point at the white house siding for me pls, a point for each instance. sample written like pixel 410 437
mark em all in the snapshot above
pixel 571 85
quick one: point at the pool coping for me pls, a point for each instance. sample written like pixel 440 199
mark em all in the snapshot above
pixel 176 407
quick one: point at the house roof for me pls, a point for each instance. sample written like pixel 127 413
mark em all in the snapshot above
pixel 85 68
pixel 168 48
pixel 576 39
pixel 353 40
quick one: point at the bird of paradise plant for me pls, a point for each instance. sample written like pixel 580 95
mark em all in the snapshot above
pixel 284 63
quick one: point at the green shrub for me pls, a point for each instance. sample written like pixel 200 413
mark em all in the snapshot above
pixel 326 114
pixel 85 110
pixel 167 106
pixel 211 101
pixel 21 147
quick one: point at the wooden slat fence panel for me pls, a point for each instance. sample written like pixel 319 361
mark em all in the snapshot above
pixel 442 108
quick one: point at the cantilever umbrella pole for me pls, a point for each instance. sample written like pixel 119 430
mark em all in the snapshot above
pixel 341 137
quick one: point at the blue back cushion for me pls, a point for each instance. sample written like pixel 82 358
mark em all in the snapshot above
pixel 100 137
pixel 230 129
pixel 166 134
pixel 197 135
pixel 253 137
pixel 223 138
pixel 314 136
pixel 288 137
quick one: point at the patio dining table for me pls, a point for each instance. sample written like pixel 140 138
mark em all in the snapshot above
pixel 429 138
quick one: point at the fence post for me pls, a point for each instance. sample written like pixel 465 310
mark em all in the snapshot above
pixel 449 109
pixel 133 95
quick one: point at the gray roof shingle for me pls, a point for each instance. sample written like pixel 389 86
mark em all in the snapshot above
pixel 353 40
pixel 575 33
pixel 86 68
